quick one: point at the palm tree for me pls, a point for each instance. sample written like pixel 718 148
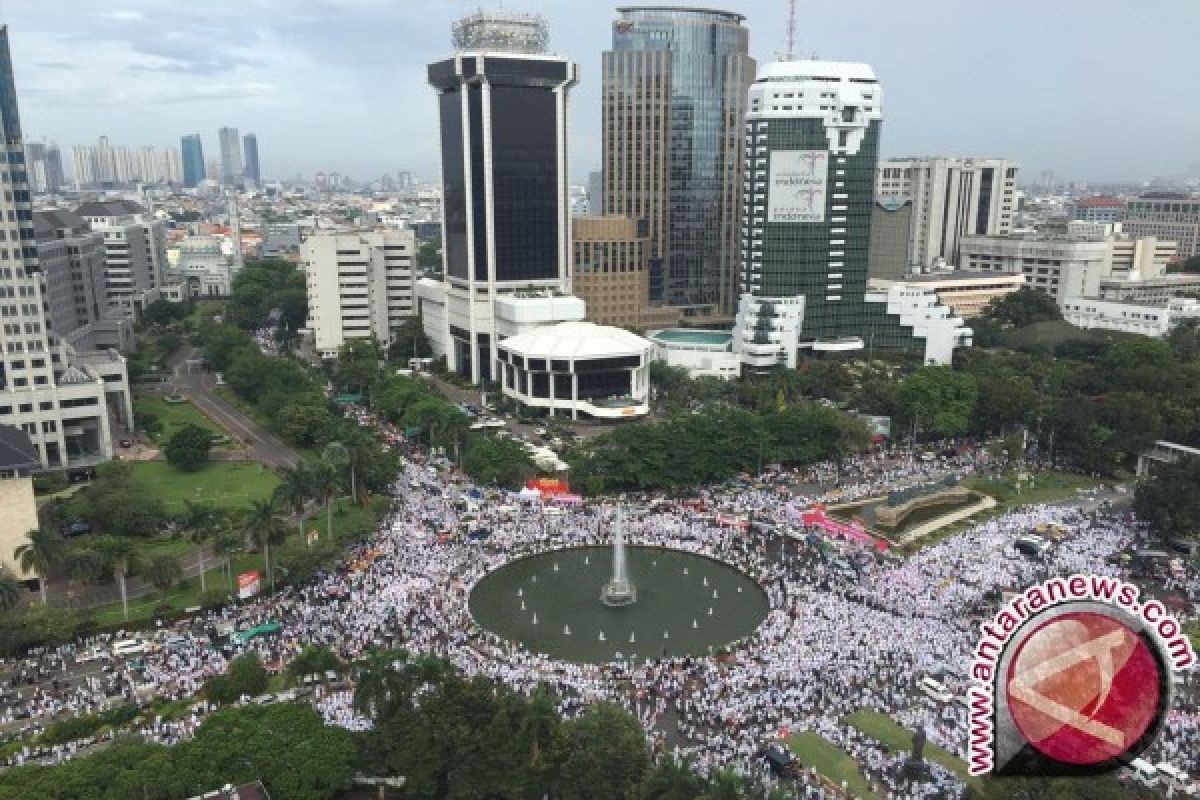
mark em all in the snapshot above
pixel 538 725
pixel 337 456
pixel 325 486
pixel 42 552
pixel 382 683
pixel 227 542
pixel 198 522
pixel 82 565
pixel 120 554
pixel 164 572
pixel 11 591
pixel 295 490
pixel 264 526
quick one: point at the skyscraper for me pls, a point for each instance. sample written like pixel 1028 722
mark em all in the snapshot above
pixel 674 89
pixel 250 143
pixel 231 156
pixel 811 146
pixel 506 215
pixel 193 160
pixel 57 397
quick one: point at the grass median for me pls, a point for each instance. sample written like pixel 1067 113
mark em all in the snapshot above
pixel 228 485
pixel 814 751
pixel 887 731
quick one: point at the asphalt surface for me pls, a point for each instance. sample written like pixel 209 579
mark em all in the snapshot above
pixel 199 386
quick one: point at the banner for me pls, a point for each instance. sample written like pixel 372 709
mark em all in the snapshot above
pixel 247 584
pixel 796 191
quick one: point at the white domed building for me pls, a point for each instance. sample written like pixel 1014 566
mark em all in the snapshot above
pixel 201 268
pixel 578 368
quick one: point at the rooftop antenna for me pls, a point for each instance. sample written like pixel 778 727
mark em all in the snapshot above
pixel 791 30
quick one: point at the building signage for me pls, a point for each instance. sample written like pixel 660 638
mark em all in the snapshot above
pixel 797 186
pixel 248 584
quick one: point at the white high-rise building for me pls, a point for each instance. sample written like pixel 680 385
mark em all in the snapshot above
pixel 231 156
pixel 951 198
pixel 67 403
pixel 361 285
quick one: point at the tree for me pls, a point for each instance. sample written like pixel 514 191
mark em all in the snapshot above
pixel 429 255
pixel 357 365
pixel 119 554
pixel 671 780
pixel 382 685
pixel 295 490
pixel 604 754
pixel 936 399
pixel 188 447
pixel 265 528
pixel 116 503
pixel 539 726
pixel 163 312
pixel 163 572
pixel 1022 308
pixel 337 457
pixel 409 341
pixel 325 484
pixel 11 591
pixel 497 461
pixel 199 523
pixel 248 676
pixel 226 542
pixel 314 659
pixel 1169 500
pixel 41 553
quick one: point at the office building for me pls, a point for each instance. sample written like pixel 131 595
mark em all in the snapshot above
pixel 811 140
pixel 1098 209
pixel 951 198
pixel 891 229
pixel 673 93
pixel 965 293
pixel 252 172
pixel 502 102
pixel 1061 267
pixel 611 274
pixel 135 255
pixel 361 285
pixel 61 399
pixel 1167 216
pixel 105 165
pixel 193 160
pixel 231 156
pixel 1139 258
pixel 72 257
pixel 1145 319
pixel 43 162
pixel 704 354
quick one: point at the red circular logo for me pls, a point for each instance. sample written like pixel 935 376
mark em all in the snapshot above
pixel 1084 688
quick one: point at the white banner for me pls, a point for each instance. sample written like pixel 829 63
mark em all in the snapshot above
pixel 797 186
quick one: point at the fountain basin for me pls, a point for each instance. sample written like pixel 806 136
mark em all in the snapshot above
pixel 667 601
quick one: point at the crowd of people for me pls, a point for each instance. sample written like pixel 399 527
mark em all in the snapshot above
pixel 848 629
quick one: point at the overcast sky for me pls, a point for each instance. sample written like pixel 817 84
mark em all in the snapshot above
pixel 1092 89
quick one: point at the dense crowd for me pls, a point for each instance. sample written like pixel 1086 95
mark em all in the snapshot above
pixel 847 629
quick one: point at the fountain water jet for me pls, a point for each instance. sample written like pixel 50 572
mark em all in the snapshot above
pixel 619 591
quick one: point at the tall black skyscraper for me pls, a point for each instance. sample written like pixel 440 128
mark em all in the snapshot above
pixel 251 169
pixel 193 160
pixel 505 206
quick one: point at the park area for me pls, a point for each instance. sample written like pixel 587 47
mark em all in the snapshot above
pixel 227 485
pixel 886 731
pixel 814 751
pixel 170 416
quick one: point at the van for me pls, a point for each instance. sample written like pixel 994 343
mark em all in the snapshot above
pixel 1032 546
pixel 122 648
pixel 1177 779
pixel 1143 772
pixel 934 689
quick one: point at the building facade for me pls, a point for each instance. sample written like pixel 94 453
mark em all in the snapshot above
pixel 193 160
pixel 965 293
pixel 231 156
pixel 72 259
pixel 673 93
pixel 201 268
pixel 360 285
pixel 611 269
pixel 1170 217
pixel 502 103
pixel 135 258
pixel 1144 257
pixel 952 198
pixel 891 228
pixel 1129 317
pixel 252 171
pixel 1098 209
pixel 67 403
pixel 1060 267
pixel 1151 291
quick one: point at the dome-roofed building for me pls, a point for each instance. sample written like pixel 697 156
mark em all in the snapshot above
pixel 578 368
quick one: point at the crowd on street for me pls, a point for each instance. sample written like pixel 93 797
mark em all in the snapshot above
pixel 836 640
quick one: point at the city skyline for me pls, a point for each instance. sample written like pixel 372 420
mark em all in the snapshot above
pixel 959 83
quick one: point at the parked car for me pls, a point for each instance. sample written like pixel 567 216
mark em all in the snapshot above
pixel 123 648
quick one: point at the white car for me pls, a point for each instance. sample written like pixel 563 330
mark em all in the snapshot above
pixel 123 648
pixel 96 653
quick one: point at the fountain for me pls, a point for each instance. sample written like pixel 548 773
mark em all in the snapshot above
pixel 566 630
pixel 534 620
pixel 694 625
pixel 619 591
pixel 522 605
pixel 601 637
pixel 632 637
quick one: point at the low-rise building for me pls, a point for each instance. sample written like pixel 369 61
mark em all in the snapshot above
pixel 965 293
pixel 1098 209
pixel 1128 317
pixel 702 353
pixel 361 285
pixel 1060 267
pixel 1152 291
pixel 1167 216
pixel 578 368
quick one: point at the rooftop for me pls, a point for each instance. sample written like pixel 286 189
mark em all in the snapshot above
pixel 109 208
pixel 685 336
pixel 576 340
pixel 958 275
pixel 683 11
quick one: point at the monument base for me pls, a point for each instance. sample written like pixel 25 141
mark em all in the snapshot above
pixel 618 593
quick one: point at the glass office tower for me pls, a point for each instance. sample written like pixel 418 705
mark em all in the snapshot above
pixel 674 94
pixel 193 160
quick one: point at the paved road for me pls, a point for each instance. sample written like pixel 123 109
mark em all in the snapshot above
pixel 262 445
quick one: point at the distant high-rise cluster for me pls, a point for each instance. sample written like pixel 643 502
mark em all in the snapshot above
pixel 44 162
pixel 105 164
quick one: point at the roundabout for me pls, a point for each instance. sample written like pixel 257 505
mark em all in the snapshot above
pixel 551 603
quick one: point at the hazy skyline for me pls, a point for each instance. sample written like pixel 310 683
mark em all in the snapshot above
pixel 1096 91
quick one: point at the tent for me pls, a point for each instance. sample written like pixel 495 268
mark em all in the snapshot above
pixel 529 493
pixel 568 499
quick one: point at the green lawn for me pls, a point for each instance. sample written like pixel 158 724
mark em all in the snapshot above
pixel 173 416
pixel 815 751
pixel 221 484
pixel 1046 487
pixel 884 729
